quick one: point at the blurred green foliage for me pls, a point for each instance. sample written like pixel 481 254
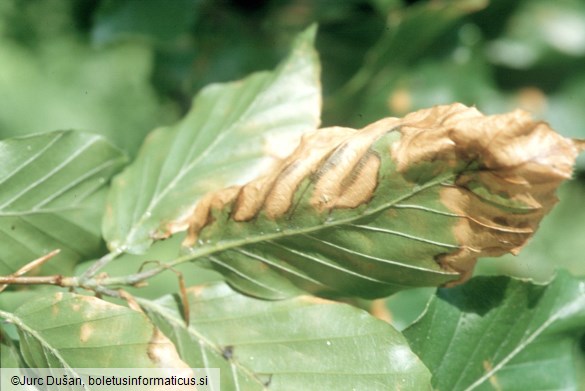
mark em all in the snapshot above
pixel 53 77
pixel 123 67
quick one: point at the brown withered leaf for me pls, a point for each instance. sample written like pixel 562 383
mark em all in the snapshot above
pixel 400 203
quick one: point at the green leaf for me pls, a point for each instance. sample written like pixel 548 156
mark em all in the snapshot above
pixel 414 30
pixel 66 330
pixel 11 300
pixel 64 84
pixel 386 6
pixel 409 35
pixel 497 333
pixel 128 18
pixel 442 82
pixel 408 305
pixel 9 353
pixel 232 133
pixel 302 343
pixel 52 197
pixel 564 112
pixel 535 36
pixel 400 203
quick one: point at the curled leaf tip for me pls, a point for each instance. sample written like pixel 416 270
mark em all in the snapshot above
pixel 507 168
pixel 410 202
pixel 579 144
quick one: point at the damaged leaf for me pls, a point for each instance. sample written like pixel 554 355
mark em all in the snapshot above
pixel 400 203
pixel 66 330
pixel 234 132
pixel 302 343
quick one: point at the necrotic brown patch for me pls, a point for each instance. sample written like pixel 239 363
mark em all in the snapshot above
pixel 348 177
pixel 359 186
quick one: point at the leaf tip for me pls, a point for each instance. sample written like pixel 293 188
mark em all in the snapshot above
pixel 579 144
pixel 507 168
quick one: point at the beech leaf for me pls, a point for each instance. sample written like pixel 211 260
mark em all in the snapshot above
pixel 498 333
pixel 234 132
pixel 66 330
pixel 400 203
pixel 52 194
pixel 301 343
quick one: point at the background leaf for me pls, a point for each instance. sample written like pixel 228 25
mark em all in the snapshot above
pixel 52 197
pixel 116 20
pixel 9 353
pixel 65 330
pixel 404 41
pixel 53 79
pixel 303 343
pixel 407 306
pixel 497 333
pixel 232 133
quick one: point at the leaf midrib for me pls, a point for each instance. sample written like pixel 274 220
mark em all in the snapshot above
pixel 579 302
pixel 201 339
pixel 187 168
pixel 205 250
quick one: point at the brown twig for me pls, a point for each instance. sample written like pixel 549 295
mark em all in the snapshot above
pixel 100 283
pixel 16 276
pixel 57 279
